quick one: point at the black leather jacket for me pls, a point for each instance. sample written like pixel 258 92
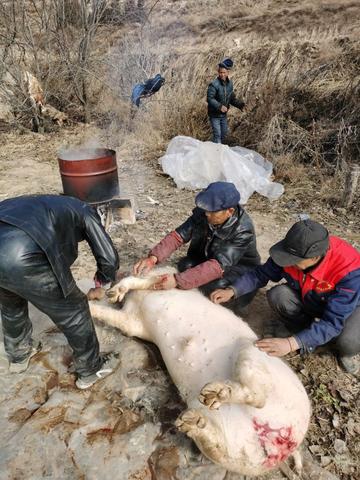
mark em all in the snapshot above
pixel 232 243
pixel 57 224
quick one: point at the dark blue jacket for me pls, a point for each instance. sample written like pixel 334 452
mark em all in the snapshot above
pixel 332 289
pixel 151 86
pixel 221 93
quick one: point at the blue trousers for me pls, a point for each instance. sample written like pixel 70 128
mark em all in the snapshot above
pixel 219 127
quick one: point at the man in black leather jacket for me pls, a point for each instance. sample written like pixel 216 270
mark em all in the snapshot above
pixel 222 244
pixel 39 238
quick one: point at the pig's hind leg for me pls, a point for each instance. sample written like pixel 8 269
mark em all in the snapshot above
pixel 250 383
pixel 205 433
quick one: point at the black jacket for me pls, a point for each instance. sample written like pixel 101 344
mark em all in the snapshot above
pixel 57 224
pixel 221 93
pixel 233 243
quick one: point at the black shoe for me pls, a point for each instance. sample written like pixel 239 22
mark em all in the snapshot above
pixel 241 311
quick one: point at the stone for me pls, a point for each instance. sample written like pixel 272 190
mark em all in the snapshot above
pixel 340 446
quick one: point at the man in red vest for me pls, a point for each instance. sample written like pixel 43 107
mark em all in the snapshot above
pixel 320 301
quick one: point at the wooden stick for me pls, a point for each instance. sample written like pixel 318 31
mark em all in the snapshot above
pixel 351 182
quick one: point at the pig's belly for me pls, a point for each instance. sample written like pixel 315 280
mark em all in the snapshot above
pixel 198 340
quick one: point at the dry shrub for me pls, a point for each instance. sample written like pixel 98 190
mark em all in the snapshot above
pixel 179 108
pixel 302 92
pixel 301 105
pixel 283 136
pixel 290 172
pixel 61 42
pixel 301 85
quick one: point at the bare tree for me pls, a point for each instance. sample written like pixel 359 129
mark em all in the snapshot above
pixel 52 40
pixel 74 50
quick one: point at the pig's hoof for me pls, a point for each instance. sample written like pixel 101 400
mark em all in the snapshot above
pixel 190 421
pixel 214 394
pixel 116 294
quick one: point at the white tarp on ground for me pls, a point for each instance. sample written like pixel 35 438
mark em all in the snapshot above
pixel 194 164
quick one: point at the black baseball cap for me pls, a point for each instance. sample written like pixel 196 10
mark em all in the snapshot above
pixel 305 239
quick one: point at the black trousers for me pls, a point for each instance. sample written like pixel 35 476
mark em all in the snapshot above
pixel 26 275
pixel 295 316
pixel 230 275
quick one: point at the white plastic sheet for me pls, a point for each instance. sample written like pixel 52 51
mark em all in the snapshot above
pixel 194 164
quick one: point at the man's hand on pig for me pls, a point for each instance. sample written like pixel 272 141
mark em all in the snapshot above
pixel 97 293
pixel 222 295
pixel 144 265
pixel 165 282
pixel 277 347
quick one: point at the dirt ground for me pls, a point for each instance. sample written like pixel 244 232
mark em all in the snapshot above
pixel 28 164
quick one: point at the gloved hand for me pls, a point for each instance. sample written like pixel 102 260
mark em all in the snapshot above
pixel 144 265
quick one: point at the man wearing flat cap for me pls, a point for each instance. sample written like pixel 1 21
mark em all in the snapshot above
pixel 222 245
pixel 320 301
pixel 220 95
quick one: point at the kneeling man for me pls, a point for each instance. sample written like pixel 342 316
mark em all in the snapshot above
pixel 320 301
pixel 222 245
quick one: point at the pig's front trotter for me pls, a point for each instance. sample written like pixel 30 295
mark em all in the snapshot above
pixel 213 394
pixel 116 293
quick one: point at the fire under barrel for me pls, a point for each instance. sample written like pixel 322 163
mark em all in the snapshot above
pixel 89 174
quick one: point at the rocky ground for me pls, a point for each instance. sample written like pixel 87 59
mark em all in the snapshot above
pixel 123 428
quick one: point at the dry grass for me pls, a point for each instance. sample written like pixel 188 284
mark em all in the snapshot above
pixel 296 64
pixel 302 91
pixel 302 96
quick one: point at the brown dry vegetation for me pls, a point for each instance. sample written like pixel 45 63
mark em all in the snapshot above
pixel 297 64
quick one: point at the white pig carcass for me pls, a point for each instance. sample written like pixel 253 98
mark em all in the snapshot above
pixel 246 411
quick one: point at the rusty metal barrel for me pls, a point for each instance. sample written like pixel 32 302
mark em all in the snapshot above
pixel 89 174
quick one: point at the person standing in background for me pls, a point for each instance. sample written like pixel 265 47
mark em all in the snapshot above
pixel 220 95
